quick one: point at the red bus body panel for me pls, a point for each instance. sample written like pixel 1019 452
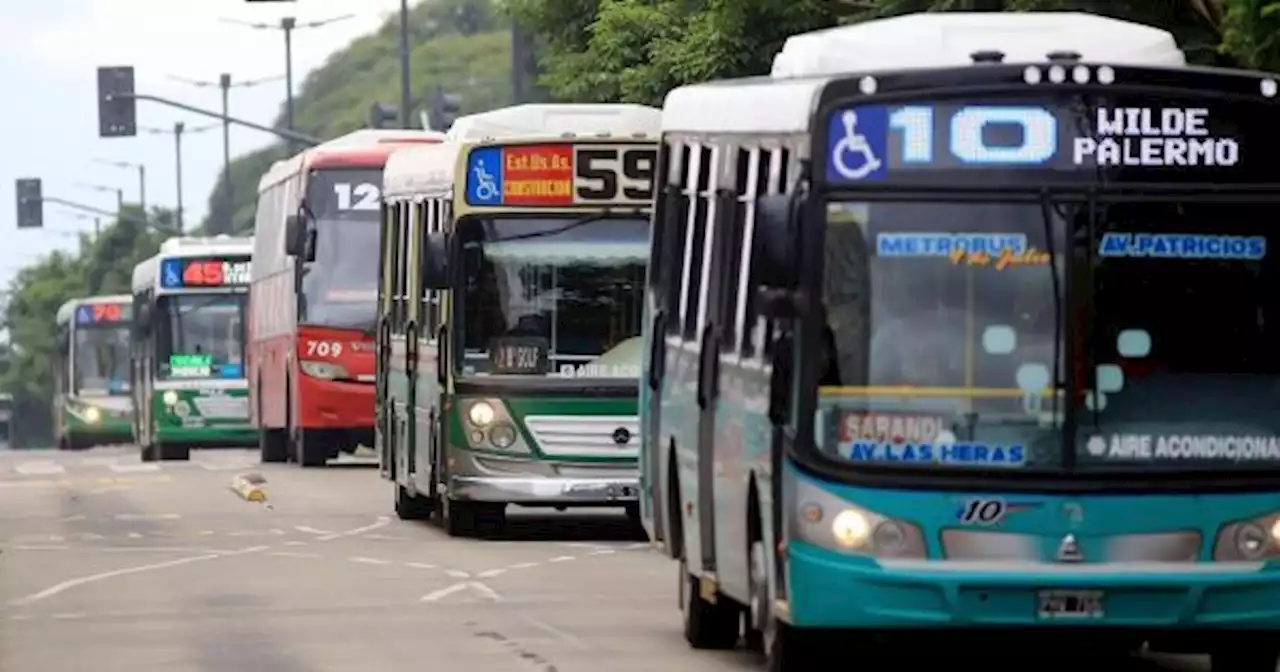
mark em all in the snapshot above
pixel 280 395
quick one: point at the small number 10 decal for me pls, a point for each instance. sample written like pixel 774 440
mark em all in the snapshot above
pixel 981 511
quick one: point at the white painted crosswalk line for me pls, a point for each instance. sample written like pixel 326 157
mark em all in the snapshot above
pixel 141 467
pixel 40 468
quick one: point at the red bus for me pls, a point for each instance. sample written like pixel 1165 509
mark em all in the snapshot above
pixel 313 297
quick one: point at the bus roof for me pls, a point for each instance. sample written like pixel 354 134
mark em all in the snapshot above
pixel 566 120
pixel 67 310
pixel 144 274
pixel 429 170
pixel 365 148
pixel 783 101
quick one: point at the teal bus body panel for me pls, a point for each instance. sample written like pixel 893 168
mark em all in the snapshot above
pixel 830 589
pixel 678 429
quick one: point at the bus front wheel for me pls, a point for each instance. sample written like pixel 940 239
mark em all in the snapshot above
pixel 707 625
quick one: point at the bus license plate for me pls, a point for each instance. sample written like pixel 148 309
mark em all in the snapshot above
pixel 1064 604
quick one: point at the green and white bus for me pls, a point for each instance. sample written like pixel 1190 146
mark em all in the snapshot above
pixel 91 404
pixel 513 260
pixel 188 347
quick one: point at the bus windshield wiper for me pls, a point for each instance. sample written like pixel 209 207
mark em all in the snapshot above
pixel 551 232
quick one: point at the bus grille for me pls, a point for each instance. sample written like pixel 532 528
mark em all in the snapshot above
pixel 585 435
pixel 225 407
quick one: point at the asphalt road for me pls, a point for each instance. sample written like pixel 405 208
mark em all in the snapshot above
pixel 110 565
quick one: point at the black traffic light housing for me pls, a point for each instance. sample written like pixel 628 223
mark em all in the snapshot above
pixel 443 109
pixel 381 113
pixel 30 203
pixel 117 108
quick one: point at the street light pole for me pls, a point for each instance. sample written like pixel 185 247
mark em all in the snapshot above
pixel 287 24
pixel 142 179
pixel 178 128
pixel 405 59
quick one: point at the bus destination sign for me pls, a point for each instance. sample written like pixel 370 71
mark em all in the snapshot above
pixel 1135 137
pixel 103 313
pixel 561 174
pixel 204 272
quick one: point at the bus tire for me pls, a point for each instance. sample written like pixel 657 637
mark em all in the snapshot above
pixel 272 445
pixel 707 625
pixel 148 453
pixel 64 443
pixel 173 452
pixel 411 507
pixel 309 446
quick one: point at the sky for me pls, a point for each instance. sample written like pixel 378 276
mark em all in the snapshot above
pixel 49 55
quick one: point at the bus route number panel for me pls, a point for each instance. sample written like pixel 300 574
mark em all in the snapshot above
pixel 199 273
pixel 561 174
pixel 104 313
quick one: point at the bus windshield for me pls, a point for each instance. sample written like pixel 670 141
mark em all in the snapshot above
pixel 553 296
pixel 340 288
pixel 101 360
pixel 200 336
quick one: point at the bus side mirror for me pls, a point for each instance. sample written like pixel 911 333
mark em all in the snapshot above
pixel 63 341
pixel 294 236
pixel 775 250
pixel 142 320
pixel 435 261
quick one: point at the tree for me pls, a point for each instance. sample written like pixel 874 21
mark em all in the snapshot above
pixel 637 50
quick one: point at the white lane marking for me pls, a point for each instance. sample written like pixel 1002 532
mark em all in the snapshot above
pixel 72 519
pixel 524 565
pixel 382 521
pixel 134 468
pixel 457 573
pixel 103 576
pixel 99 461
pixel 147 516
pixel 485 591
pixel 562 558
pixel 566 637
pixel 134 535
pixel 632 547
pixel 437 595
pixel 603 551
pixel 38 547
pixel 369 561
pixel 419 565
pixel 33 484
pixel 490 573
pixel 384 537
pixel 295 543
pixel 294 554
pixel 310 530
pixel 43 468
pixel 71 616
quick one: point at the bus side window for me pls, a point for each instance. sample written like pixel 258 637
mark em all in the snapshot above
pixel 389 209
pixel 399 253
pixel 736 262
pixel 676 216
pixel 695 240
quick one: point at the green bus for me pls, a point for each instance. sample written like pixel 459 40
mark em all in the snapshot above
pixel 509 314
pixel 188 347
pixel 91 403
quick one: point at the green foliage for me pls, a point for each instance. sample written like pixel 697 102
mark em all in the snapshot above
pixel 104 265
pixel 463 46
pixel 637 50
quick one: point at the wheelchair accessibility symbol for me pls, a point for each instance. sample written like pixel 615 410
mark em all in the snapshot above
pixel 486 186
pixel 852 156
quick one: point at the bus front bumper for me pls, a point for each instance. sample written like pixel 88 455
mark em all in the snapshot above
pixel 833 590
pixel 530 482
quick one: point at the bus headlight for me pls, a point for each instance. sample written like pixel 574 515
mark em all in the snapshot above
pixel 1249 540
pixel 502 436
pixel 92 415
pixel 481 414
pixel 323 370
pixel 830 522
pixel 170 397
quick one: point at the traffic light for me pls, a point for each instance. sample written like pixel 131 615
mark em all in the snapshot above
pixel 380 114
pixel 443 109
pixel 30 203
pixel 117 108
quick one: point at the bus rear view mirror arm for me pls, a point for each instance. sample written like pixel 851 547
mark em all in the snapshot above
pixel 775 259
pixel 295 240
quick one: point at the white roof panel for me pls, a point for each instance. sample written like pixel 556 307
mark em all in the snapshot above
pixel 618 120
pixel 782 103
pixel 945 39
pixel 420 171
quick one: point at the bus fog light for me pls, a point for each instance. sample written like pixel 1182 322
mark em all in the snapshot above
pixel 1251 541
pixel 811 513
pixel 170 397
pixel 481 414
pixel 850 528
pixel 502 436
pixel 889 536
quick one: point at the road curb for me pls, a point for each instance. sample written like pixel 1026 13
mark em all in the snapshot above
pixel 249 487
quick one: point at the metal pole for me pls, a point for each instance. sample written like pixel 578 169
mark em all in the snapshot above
pixel 142 188
pixel 405 93
pixel 229 201
pixel 119 200
pixel 287 24
pixel 97 226
pixel 177 152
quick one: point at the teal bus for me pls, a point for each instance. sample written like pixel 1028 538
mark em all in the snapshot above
pixel 970 339
pixel 188 347
pixel 91 384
